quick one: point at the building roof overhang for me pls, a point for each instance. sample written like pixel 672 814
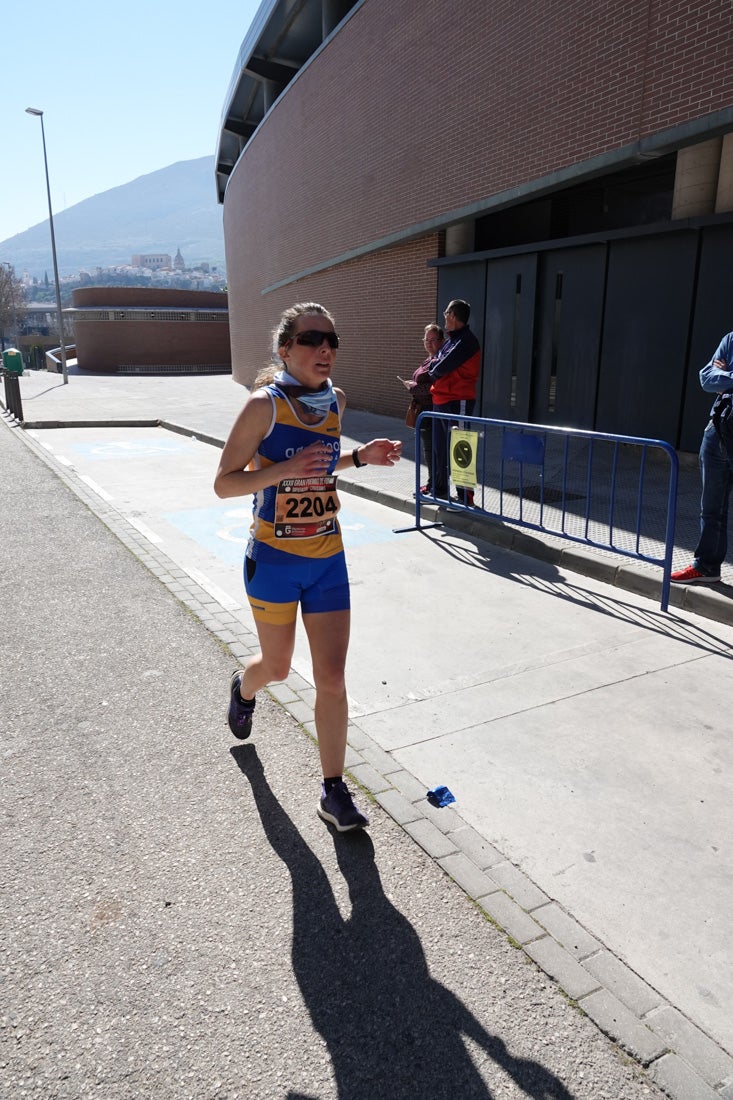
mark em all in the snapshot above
pixel 283 37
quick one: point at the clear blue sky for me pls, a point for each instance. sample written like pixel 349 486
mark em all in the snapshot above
pixel 125 89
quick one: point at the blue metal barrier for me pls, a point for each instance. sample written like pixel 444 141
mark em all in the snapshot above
pixel 611 492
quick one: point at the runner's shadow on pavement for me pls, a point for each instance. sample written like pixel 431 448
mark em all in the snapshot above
pixel 391 1029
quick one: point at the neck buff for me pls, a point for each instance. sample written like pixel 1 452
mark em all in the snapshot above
pixel 318 401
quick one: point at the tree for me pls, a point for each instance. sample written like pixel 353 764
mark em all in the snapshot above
pixel 12 295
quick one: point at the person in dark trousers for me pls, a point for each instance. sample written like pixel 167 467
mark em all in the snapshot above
pixel 454 374
pixel 716 468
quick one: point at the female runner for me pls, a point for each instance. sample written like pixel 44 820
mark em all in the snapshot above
pixel 285 449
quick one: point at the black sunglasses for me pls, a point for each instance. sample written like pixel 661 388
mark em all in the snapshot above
pixel 313 338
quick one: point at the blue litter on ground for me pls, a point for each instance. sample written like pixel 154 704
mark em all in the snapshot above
pixel 440 796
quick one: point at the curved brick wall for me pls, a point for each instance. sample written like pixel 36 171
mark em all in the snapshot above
pixel 412 112
pixel 136 327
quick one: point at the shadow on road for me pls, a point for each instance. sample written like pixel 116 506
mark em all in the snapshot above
pixel 391 1029
pixel 546 577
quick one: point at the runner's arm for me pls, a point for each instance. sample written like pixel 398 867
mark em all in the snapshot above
pixel 377 452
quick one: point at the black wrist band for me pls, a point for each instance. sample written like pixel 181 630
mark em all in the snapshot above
pixel 355 458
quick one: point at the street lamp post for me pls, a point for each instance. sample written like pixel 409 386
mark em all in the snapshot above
pixel 62 347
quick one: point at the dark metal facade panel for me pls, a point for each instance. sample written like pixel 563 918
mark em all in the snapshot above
pixel 569 313
pixel 649 296
pixel 712 319
pixel 603 336
pixel 508 337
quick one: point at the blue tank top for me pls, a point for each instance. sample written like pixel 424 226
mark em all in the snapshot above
pixel 298 516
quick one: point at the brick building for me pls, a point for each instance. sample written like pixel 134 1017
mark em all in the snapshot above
pixel 567 168
pixel 138 330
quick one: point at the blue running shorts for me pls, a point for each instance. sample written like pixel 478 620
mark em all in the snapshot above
pixel 274 590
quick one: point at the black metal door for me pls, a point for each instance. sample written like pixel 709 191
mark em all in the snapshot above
pixel 649 294
pixel 507 337
pixel 568 326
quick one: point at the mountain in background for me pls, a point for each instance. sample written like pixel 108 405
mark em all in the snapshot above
pixel 172 208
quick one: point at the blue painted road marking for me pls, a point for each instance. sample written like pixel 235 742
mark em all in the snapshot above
pixel 223 530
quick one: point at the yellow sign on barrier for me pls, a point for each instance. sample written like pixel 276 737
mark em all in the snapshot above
pixel 463 448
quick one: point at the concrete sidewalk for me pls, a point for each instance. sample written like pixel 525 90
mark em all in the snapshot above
pixel 592 772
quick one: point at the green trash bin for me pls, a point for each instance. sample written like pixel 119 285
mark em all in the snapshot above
pixel 12 361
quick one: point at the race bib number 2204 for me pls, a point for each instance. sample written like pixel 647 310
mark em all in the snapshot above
pixel 306 507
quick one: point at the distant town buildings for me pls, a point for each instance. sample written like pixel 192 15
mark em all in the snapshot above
pixel 155 261
pixel 146 269
pixel 155 269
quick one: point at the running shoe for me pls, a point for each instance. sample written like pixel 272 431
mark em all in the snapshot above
pixel 338 807
pixel 240 713
pixel 691 575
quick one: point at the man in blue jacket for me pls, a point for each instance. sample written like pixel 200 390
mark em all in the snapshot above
pixel 716 467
